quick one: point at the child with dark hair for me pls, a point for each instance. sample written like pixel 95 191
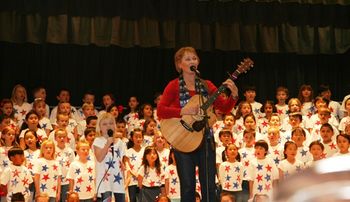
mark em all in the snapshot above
pixel 282 95
pixel 150 175
pixel 16 172
pixel 299 136
pixel 325 91
pixel 263 171
pixel 316 149
pixel 343 143
pixel 249 93
pixel 266 110
pixel 290 164
pixel 328 140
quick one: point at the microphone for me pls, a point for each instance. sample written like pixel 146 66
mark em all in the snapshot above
pixel 110 133
pixel 194 69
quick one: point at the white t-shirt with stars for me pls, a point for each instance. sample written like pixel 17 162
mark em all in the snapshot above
pixel 17 179
pixel 135 162
pixel 41 134
pixel 20 112
pixel 84 176
pixel 231 176
pixel 247 156
pixel 31 158
pixel 174 182
pixel 151 178
pixel 109 169
pixel 164 158
pixel 288 168
pixel 64 157
pixel 49 172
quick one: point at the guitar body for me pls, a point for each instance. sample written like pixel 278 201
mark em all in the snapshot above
pixel 180 137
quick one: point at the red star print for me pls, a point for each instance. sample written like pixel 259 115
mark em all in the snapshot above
pixel 131 166
pixel 135 116
pixel 227 185
pixel 23 112
pixel 259 178
pixel 227 168
pixel 106 177
pixel 16 173
pixel 267 187
pixel 238 178
pixel 25 181
pixel 54 188
pixel 89 188
pixel 80 180
pixel 331 109
pixel 40 138
pixel 90 170
pixel 55 167
pixel 318 123
pixel 240 128
pixel 323 155
pixel 279 111
pixel 268 167
pixel 172 191
pixel 233 140
pixel 276 152
pixel 46 177
pixel 152 183
pixel 309 114
pixel 30 166
pixel 67 163
pixel 333 146
pixel 172 172
pixel 164 159
pixel 264 124
pixel 246 163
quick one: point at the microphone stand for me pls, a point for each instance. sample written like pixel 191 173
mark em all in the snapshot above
pixel 208 141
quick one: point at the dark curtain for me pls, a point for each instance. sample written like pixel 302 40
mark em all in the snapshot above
pixel 144 71
pixel 292 26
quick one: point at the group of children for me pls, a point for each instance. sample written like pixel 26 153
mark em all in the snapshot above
pixel 90 155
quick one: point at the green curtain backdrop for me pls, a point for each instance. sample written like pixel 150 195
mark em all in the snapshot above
pixel 302 27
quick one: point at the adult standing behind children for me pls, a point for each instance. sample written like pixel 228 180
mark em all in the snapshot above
pixel 175 96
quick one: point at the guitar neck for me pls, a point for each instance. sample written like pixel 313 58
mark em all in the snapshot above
pixel 213 97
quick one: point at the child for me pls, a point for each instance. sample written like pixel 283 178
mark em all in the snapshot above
pixel 88 109
pixel 330 146
pixel 134 159
pixel 64 97
pixel 162 149
pixel 7 141
pixel 325 91
pixel 39 93
pixel 295 120
pixel 121 128
pixel 39 106
pixel 247 154
pixel 149 129
pixel 275 148
pixel 72 125
pixel 32 123
pixel 228 124
pixel 250 94
pixel 346 120
pixel 281 106
pixel 62 123
pixel 113 109
pixel 109 152
pixel 266 111
pixel 263 171
pixel 305 96
pixel 290 164
pixel 20 105
pixel 250 125
pixel 150 175
pixel 47 172
pixel 299 136
pixel 343 143
pixel 107 100
pixel 82 173
pixel 31 153
pixel 88 98
pixel 172 183
pixel 225 139
pixel 133 109
pixel 231 172
pixel 316 149
pixel 65 156
pixel 90 134
pixel 16 178
pixel 243 109
pixel 322 117
pixel 7 110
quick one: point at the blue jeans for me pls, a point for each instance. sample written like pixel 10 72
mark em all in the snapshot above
pixel 64 191
pixel 117 196
pixel 186 164
pixel 134 192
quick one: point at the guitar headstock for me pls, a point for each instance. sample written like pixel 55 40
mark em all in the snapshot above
pixel 243 67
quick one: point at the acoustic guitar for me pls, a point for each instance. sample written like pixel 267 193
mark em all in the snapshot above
pixel 186 133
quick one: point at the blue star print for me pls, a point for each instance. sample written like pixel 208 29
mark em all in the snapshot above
pixel 117 178
pixel 259 167
pixel 44 168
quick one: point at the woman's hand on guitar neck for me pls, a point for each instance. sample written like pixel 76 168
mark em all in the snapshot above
pixel 232 86
pixel 190 110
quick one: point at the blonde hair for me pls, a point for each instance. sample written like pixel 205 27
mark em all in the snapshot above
pixel 180 53
pixel 86 105
pixel 46 142
pixel 60 131
pixel 82 142
pixel 104 116
pixel 14 92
